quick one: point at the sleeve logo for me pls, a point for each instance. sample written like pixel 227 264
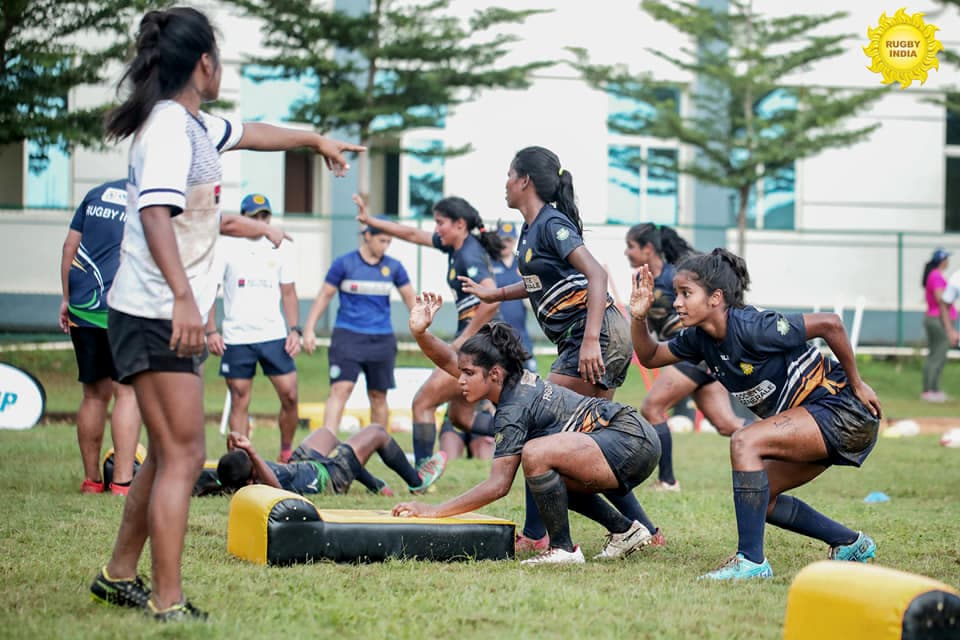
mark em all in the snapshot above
pixel 783 326
pixel 563 233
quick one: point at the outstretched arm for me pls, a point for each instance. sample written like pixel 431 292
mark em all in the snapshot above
pixel 327 291
pixel 395 229
pixel 490 490
pixel 513 291
pixel 244 227
pixel 829 327
pixel 259 136
pixel 421 317
pixel 484 314
pixel 652 354
pixel 261 471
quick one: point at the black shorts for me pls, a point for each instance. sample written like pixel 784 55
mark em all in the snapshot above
pixel 465 436
pixel 373 354
pixel 615 344
pixel 848 428
pixel 143 344
pixel 92 349
pixel 631 448
pixel 239 361
pixel 339 464
pixel 698 373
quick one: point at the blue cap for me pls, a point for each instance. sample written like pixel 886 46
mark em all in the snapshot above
pixel 374 230
pixel 939 255
pixel 254 203
pixel 507 230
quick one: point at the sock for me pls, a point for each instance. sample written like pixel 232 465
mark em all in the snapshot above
pixel 533 526
pixel 424 435
pixel 122 484
pixel 482 424
pixel 666 453
pixel 396 460
pixel 599 510
pixel 630 507
pixel 796 515
pixel 751 493
pixel 370 481
pixel 551 496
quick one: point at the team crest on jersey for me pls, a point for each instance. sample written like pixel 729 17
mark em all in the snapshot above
pixel 453 274
pixel 746 367
pixel 783 326
pixel 563 233
pixel 472 272
pixel 385 271
pixel 528 255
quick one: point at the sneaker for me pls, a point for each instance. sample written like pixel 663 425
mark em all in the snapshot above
pixel 180 612
pixel 934 396
pixel 284 456
pixel 89 486
pixel 557 556
pixel 621 545
pixel 860 550
pixel 386 491
pixel 523 544
pixel 737 567
pixel 659 485
pixel 119 489
pixel 122 593
pixel 430 471
pixel 657 539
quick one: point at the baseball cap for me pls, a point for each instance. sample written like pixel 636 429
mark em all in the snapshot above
pixel 507 230
pixel 940 254
pixel 254 203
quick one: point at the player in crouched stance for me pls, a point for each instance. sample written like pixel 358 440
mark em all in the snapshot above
pixel 816 412
pixel 571 447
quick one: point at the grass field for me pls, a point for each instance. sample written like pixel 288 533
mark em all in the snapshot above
pixel 52 540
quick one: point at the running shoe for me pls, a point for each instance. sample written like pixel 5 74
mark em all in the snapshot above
pixel 860 550
pixel 736 567
pixel 557 556
pixel 89 486
pixel 430 471
pixel 523 544
pixel 659 485
pixel 122 593
pixel 621 545
pixel 180 612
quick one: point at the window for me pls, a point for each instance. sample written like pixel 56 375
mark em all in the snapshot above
pixel 424 177
pixel 951 220
pixel 48 185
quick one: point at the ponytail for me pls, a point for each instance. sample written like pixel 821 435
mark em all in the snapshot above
pixel 457 208
pixel 553 183
pixel 668 244
pixel 721 270
pixel 497 343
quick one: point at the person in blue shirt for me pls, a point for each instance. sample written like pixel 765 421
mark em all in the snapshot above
pixel 815 411
pixel 506 273
pixel 363 339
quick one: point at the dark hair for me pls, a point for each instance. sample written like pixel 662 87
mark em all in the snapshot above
pixel 497 343
pixel 234 469
pixel 928 269
pixel 169 44
pixel 665 240
pixel 459 209
pixel 721 270
pixel 552 182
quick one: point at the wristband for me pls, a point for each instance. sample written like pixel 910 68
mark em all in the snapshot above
pixel 297 328
pixel 210 333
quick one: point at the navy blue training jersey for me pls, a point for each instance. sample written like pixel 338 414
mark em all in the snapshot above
pixel 365 292
pixel 662 318
pixel 300 477
pixel 513 312
pixel 557 291
pixel 533 408
pixel 470 260
pixel 764 360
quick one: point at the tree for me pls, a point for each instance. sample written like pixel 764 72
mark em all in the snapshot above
pixel 740 136
pixel 48 48
pixel 406 64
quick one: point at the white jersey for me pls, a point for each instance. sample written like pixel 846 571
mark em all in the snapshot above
pixel 174 162
pixel 951 292
pixel 251 272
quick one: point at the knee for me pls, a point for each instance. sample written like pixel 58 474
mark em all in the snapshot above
pixel 288 398
pixel 653 410
pixel 422 403
pixel 532 460
pixel 99 392
pixel 378 433
pixel 239 395
pixel 741 443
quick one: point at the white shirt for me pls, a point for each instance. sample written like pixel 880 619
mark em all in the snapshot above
pixel 175 162
pixel 951 292
pixel 251 272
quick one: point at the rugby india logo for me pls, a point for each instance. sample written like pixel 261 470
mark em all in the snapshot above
pixel 903 48
pixel 562 234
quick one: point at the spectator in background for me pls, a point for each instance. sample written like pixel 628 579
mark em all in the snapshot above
pixel 938 325
pixel 505 272
pixel 256 278
pixel 363 338
pixel 91 255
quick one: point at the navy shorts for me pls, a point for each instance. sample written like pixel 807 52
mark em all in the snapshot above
pixel 631 448
pixel 240 360
pixel 848 428
pixel 465 436
pixel 615 344
pixel 373 354
pixel 91 346
pixel 143 344
pixel 338 464
pixel 698 373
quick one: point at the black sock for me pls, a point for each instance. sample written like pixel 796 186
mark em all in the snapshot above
pixel 629 506
pixel 122 484
pixel 396 460
pixel 751 494
pixel 533 526
pixel 666 453
pixel 424 435
pixel 370 481
pixel 551 496
pixel 482 424
pixel 599 510
pixel 796 515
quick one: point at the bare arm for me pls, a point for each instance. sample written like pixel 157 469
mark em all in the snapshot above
pixel 513 291
pixel 591 366
pixel 502 473
pixel 244 227
pixel 946 319
pixel 408 295
pixel 320 304
pixel 291 312
pixel 829 327
pixel 261 471
pixel 484 313
pixel 421 316
pixel 259 136
pixel 70 246
pixel 650 353
pixel 395 229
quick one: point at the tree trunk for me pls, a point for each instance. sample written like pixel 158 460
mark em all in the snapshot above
pixel 742 222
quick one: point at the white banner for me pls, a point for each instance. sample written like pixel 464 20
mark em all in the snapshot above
pixel 22 398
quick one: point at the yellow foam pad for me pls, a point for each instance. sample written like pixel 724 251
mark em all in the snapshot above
pixel 249 519
pixel 372 516
pixel 853 601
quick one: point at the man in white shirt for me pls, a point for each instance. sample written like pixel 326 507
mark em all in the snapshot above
pixel 256 277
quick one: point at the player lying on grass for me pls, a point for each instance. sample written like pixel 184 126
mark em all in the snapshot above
pixel 312 470
pixel 816 411
pixel 572 447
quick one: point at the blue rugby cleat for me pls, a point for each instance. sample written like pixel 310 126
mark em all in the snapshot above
pixel 737 567
pixel 860 550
